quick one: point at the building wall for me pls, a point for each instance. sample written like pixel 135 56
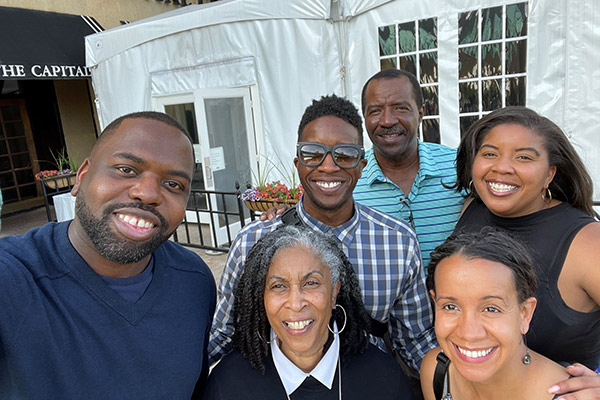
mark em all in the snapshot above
pixel 109 13
pixel 75 97
pixel 77 116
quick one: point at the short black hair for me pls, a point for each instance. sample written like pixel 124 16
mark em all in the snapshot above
pixel 154 115
pixel 335 106
pixel 392 73
pixel 493 245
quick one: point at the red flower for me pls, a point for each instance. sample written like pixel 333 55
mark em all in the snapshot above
pixel 277 191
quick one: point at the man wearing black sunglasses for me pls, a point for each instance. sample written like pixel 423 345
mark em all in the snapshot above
pixel 328 181
pixel 383 250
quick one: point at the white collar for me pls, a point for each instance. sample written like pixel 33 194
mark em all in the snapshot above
pixel 292 377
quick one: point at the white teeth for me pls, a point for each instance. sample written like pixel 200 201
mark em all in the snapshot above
pixel 297 325
pixel 329 185
pixel 143 224
pixel 475 354
pixel 500 187
pixel 137 222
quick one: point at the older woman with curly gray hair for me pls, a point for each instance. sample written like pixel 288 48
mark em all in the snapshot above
pixel 301 327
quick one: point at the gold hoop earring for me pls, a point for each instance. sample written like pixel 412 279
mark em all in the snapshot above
pixel 547 197
pixel 343 326
pixel 470 186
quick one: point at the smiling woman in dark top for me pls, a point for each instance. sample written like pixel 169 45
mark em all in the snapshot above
pixel 300 327
pixel 525 177
pixel 483 287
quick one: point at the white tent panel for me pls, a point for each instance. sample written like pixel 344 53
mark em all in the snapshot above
pixel 228 73
pixel 355 7
pixel 113 41
pixel 363 52
pixel 292 51
pixel 564 53
pixel 292 61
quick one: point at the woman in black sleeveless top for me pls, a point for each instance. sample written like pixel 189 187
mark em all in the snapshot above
pixel 524 176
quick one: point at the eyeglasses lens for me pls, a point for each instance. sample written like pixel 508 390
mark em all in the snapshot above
pixel 312 155
pixel 346 157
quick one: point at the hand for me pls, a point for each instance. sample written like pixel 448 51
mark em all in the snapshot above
pixel 273 212
pixel 584 386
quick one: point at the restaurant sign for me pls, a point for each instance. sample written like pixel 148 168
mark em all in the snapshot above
pixel 43 71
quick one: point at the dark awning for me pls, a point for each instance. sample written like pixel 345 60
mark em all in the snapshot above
pixel 43 45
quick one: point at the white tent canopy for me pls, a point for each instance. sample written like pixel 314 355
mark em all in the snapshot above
pixel 289 52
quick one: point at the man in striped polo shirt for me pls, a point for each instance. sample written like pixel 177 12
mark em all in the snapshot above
pixel 404 177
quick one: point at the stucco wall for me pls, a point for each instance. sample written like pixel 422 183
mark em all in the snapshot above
pixel 75 97
pixel 75 108
pixel 108 13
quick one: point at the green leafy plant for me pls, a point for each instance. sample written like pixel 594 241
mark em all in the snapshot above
pixel 63 161
pixel 275 190
pixel 65 166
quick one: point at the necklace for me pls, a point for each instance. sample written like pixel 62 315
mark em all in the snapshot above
pixel 339 381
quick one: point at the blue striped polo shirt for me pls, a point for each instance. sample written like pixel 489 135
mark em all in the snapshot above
pixel 435 209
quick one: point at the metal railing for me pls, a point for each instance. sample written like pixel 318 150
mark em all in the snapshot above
pixel 210 205
pixel 192 232
pixel 54 185
pixel 197 235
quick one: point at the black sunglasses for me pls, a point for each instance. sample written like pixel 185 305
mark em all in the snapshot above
pixel 344 155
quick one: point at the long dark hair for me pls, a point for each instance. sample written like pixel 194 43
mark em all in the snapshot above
pixel 252 328
pixel 572 182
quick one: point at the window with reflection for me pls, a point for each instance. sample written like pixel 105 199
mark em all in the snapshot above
pixel 492 59
pixel 413 47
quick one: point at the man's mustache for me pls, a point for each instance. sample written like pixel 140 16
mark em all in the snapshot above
pixel 388 131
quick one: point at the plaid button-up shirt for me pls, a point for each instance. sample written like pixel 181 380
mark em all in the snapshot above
pixel 385 255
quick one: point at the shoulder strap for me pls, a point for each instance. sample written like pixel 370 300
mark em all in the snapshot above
pixel 290 217
pixel 441 369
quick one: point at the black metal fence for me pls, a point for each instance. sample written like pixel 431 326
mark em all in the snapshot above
pixel 200 235
pixel 211 205
pixel 203 205
pixel 53 186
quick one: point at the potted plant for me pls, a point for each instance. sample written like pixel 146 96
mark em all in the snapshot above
pixel 67 167
pixel 267 194
pixel 262 197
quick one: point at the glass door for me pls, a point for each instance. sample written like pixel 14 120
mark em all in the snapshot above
pixel 229 152
pixel 182 109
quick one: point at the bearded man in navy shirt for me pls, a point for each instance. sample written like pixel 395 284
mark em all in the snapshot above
pixel 104 306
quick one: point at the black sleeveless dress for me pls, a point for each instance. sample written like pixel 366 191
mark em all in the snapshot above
pixel 557 331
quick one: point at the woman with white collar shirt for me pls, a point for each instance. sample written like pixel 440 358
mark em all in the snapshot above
pixel 299 291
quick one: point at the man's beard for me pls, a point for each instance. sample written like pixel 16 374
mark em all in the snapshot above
pixel 118 249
